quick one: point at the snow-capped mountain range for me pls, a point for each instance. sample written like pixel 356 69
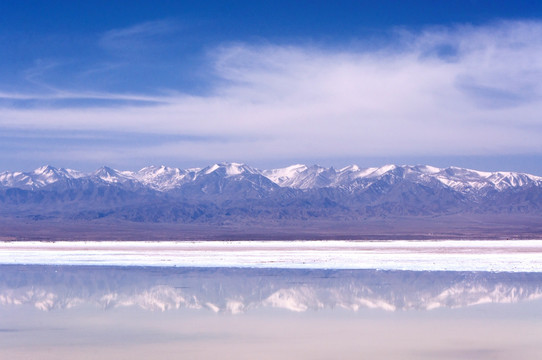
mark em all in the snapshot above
pixel 232 192
pixel 163 178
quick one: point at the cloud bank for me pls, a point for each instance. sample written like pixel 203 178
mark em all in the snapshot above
pixel 445 91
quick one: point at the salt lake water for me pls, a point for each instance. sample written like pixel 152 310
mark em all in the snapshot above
pixel 135 312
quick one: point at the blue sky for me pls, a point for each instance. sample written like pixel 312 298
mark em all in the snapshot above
pixel 187 83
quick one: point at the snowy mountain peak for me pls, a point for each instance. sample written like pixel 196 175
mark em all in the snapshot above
pixel 283 175
pixel 47 169
pixel 229 169
pixel 211 169
pixel 230 193
pixel 235 169
pixel 350 168
pixel 110 175
pixel 350 178
pixel 427 169
pixel 156 171
pixel 383 169
pixel 163 178
pixel 300 176
pixel 74 174
pixel 106 171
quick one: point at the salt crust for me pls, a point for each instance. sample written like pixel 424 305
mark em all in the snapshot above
pixel 447 255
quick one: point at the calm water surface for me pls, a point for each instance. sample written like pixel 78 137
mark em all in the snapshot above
pixel 74 312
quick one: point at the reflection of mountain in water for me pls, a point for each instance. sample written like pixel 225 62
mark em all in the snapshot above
pixel 239 290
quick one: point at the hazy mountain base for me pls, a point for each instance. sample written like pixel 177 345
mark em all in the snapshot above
pixel 470 226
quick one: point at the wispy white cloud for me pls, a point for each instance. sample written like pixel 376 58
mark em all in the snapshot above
pixel 449 91
pixel 139 35
pixel 58 94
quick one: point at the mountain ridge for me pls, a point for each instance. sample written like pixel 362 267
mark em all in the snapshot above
pixel 299 176
pixel 296 201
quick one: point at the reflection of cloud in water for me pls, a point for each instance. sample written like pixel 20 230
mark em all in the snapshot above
pixel 241 290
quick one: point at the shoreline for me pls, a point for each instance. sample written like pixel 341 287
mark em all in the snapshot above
pixel 424 255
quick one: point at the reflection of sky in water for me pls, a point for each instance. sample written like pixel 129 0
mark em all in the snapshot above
pixel 100 312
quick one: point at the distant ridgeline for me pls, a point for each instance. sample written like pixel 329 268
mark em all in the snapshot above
pixel 298 199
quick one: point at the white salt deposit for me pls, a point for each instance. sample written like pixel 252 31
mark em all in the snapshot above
pixel 497 256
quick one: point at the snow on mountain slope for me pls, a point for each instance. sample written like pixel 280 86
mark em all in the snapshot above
pixel 16 179
pixel 39 178
pixel 282 176
pixel 240 181
pixel 467 180
pixel 163 178
pixel 302 177
pixel 228 169
pixel 110 175
pixel 458 179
